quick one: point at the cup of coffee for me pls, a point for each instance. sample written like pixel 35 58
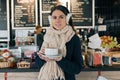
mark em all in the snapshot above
pixel 51 51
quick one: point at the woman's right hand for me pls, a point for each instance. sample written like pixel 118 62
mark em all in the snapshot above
pixel 42 56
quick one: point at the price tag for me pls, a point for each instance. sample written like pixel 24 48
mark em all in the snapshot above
pixel 102 28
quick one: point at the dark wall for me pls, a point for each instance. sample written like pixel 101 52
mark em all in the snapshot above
pixel 109 10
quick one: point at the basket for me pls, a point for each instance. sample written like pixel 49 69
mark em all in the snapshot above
pixel 23 64
pixel 5 64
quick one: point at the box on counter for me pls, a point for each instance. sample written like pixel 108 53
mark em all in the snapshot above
pixel 94 58
pixel 23 64
pixel 113 57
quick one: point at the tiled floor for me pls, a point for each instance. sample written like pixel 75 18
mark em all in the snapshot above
pixel 86 75
pixel 109 75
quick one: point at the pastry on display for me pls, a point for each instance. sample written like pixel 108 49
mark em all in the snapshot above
pixel 6 59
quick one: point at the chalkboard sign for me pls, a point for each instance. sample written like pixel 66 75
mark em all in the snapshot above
pixel 4 20
pixel 48 4
pixel 24 13
pixel 45 21
pixel 82 11
pixel 45 8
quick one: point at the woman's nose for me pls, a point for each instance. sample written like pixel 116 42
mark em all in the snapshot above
pixel 58 19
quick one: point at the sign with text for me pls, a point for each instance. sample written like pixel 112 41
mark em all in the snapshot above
pixel 82 11
pixel 48 4
pixel 45 21
pixel 24 14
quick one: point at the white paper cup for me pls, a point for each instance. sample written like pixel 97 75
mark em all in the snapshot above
pixel 50 51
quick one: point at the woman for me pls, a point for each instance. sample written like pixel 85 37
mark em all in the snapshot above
pixel 61 35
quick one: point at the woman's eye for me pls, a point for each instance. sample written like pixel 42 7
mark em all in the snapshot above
pixel 61 17
pixel 54 17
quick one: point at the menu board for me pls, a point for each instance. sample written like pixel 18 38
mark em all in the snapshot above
pixel 82 12
pixel 4 20
pixel 45 21
pixel 48 4
pixel 24 13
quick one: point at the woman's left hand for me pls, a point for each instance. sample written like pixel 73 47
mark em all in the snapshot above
pixel 42 56
pixel 58 58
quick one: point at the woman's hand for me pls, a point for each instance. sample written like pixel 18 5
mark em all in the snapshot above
pixel 42 56
pixel 58 58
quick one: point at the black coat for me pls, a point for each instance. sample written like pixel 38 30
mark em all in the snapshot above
pixel 72 63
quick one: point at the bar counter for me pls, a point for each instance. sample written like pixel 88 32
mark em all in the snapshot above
pixel 105 68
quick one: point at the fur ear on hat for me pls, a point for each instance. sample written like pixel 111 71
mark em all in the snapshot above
pixel 50 19
pixel 68 18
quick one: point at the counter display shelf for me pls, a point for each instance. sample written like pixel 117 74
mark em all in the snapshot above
pixel 103 68
pixel 35 69
pixel 18 70
pixel 32 68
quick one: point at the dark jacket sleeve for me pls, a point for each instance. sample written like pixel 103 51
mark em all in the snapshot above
pixel 39 62
pixel 72 63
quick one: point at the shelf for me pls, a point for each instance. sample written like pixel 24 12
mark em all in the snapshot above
pixel 35 69
pixel 19 70
pixel 103 68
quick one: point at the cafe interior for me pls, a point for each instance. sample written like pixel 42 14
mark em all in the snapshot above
pixel 97 23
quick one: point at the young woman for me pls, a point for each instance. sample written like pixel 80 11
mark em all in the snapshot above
pixel 61 35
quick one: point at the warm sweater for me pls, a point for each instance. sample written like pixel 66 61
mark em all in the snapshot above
pixel 72 63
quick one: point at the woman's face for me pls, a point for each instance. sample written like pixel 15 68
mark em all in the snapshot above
pixel 58 20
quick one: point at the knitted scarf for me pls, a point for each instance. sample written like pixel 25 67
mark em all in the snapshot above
pixel 55 39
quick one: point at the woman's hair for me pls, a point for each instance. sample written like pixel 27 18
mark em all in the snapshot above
pixel 65 11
